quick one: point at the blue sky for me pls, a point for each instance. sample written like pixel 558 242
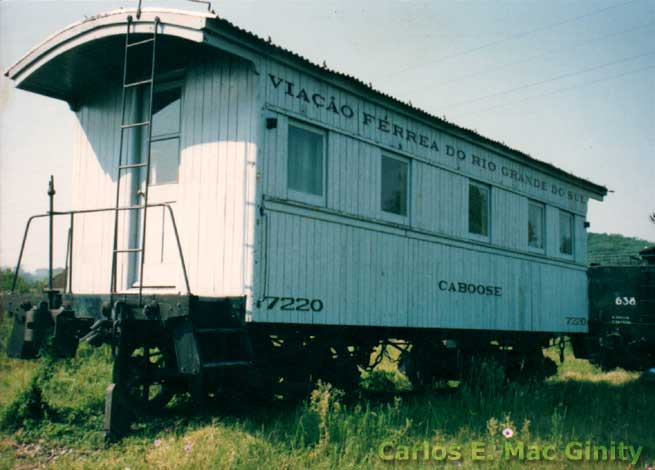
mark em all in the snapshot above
pixel 569 82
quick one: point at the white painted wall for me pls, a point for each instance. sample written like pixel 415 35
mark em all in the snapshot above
pixel 372 275
pixel 365 268
pixel 95 156
pixel 218 139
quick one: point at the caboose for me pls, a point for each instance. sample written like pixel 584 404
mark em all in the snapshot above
pixel 244 218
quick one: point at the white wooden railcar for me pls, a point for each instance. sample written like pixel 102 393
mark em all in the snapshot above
pixel 319 200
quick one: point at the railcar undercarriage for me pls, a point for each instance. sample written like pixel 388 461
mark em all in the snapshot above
pixel 186 344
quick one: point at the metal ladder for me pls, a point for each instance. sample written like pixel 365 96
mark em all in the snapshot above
pixel 145 162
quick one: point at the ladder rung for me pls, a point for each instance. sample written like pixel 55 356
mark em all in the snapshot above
pixel 206 331
pixel 132 165
pixel 145 286
pixel 213 365
pixel 135 124
pixel 129 250
pixel 142 82
pixel 138 43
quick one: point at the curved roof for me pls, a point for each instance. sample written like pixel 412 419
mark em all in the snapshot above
pixel 84 51
pixel 91 50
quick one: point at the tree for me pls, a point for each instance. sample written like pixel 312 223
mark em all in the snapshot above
pixel 22 285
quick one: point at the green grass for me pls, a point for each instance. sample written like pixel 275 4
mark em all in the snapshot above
pixel 327 431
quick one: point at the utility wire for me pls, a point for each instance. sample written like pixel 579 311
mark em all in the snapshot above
pixel 541 82
pixel 560 90
pixel 537 56
pixel 510 38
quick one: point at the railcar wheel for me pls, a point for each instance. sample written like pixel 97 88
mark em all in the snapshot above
pixel 143 374
pixel 274 375
pixel 429 362
pixel 608 360
pixel 529 366
pixel 338 365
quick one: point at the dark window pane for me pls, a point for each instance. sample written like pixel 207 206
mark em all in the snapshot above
pixel 479 210
pixel 164 161
pixel 305 165
pixel 166 112
pixel 394 185
pixel 535 225
pixel 565 233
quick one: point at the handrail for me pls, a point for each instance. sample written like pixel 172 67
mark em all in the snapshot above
pixel 104 209
pixel 205 2
pixel 208 3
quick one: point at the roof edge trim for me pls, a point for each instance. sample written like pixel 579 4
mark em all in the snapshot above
pixel 104 25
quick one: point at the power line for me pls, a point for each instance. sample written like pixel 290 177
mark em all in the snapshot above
pixel 541 82
pixel 510 38
pixel 537 56
pixel 560 90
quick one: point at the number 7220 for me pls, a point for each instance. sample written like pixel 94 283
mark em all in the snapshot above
pixel 299 304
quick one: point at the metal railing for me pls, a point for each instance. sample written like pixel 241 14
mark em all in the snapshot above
pixel 69 260
pixel 139 6
pixel 628 258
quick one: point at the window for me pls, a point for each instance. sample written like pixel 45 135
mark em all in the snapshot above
pixel 306 160
pixel 479 209
pixel 565 233
pixel 164 161
pixel 393 194
pixel 536 213
pixel 165 143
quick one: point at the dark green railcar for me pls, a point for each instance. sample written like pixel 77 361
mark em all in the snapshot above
pixel 621 316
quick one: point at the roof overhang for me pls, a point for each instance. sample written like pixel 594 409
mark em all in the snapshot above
pixel 91 50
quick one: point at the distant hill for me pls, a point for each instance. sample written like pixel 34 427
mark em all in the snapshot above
pixel 41 274
pixel 612 248
pixel 38 275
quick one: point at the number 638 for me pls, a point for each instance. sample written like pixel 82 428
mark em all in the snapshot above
pixel 625 301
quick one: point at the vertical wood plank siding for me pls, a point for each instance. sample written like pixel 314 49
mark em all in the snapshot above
pixel 367 277
pixel 218 140
pixel 366 270
pixel 94 160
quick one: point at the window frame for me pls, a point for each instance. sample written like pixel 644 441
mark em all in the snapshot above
pixel 473 235
pixel 392 216
pixel 165 85
pixel 542 206
pixel 302 196
pixel 559 233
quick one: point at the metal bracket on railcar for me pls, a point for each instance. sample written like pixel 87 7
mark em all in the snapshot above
pixel 36 322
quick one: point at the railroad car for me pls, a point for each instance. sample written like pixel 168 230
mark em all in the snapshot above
pixel 621 315
pixel 241 215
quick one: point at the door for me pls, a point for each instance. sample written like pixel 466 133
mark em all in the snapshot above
pixel 162 265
